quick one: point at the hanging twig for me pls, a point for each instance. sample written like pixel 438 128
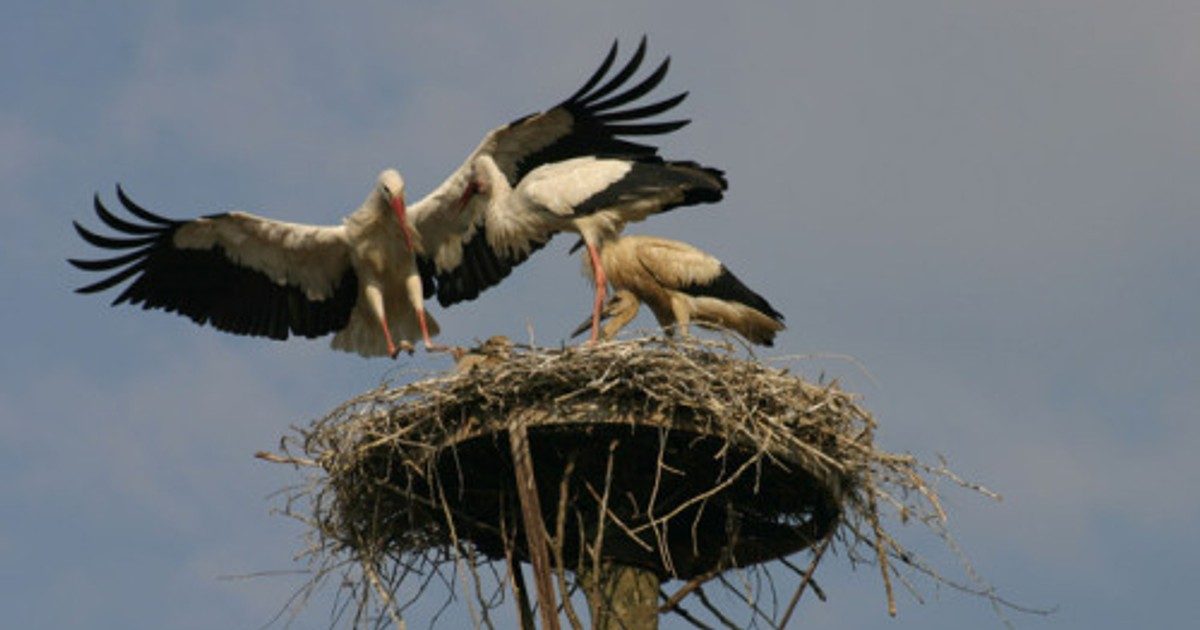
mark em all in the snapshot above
pixel 812 567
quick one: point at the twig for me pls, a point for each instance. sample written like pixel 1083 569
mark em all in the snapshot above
pixel 389 604
pixel 594 582
pixel 686 589
pixel 812 567
pixel 881 553
pixel 285 459
pixel 683 612
pixel 560 568
pixel 716 612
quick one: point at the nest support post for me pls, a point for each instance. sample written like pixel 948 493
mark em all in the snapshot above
pixel 621 597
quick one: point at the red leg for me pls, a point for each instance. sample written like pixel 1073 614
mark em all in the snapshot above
pixel 429 346
pixel 393 351
pixel 413 286
pixel 601 287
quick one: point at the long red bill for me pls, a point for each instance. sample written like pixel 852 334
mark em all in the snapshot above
pixel 467 193
pixel 402 216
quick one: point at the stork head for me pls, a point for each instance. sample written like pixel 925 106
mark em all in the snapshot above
pixel 391 190
pixel 479 180
pixel 472 188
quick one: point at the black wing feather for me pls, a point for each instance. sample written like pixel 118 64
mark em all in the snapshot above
pixel 111 281
pixel 141 212
pixel 637 91
pixel 117 223
pixel 481 268
pixel 652 176
pixel 622 75
pixel 205 285
pixel 648 129
pixel 598 74
pixel 644 111
pixel 592 113
pixel 428 271
pixel 108 242
pixel 727 286
pixel 110 263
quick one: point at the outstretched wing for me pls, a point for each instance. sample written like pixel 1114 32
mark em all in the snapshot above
pixel 600 118
pixel 592 121
pixel 241 273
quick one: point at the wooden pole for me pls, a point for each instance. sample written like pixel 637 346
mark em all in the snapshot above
pixel 622 597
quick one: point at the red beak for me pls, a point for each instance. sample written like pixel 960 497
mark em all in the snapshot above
pixel 402 216
pixel 468 192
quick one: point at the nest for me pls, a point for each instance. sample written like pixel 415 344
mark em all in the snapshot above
pixel 673 456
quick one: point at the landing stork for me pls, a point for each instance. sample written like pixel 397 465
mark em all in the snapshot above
pixel 593 197
pixel 681 284
pixel 555 171
pixel 249 275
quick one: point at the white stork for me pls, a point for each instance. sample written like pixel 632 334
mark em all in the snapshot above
pixel 253 276
pixel 592 196
pixel 249 275
pixel 680 284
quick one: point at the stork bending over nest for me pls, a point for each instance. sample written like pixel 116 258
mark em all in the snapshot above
pixel 680 284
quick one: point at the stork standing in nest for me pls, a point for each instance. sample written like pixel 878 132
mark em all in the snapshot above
pixel 680 284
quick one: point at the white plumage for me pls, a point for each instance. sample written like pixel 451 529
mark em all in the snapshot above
pixel 250 275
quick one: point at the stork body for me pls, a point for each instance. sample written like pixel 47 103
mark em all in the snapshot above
pixel 593 197
pixel 383 253
pixel 249 275
pixel 681 284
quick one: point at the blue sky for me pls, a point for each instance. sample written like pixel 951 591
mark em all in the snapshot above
pixel 992 205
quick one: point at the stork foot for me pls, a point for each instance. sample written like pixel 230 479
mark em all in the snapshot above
pixel 394 350
pixel 456 352
pixel 437 347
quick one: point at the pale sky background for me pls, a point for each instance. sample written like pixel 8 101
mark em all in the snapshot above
pixel 993 205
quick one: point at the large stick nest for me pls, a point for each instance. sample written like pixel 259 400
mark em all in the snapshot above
pixel 699 461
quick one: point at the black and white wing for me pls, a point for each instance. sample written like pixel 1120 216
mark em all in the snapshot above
pixel 240 273
pixel 600 119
